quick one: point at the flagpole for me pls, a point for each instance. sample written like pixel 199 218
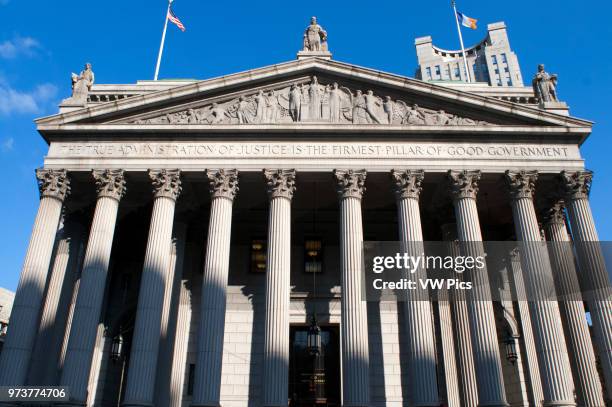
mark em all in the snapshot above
pixel 163 39
pixel 467 71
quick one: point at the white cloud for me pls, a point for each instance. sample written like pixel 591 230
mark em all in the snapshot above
pixel 18 46
pixel 34 101
pixel 7 145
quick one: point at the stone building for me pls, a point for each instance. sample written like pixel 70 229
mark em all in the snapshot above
pixel 491 61
pixel 188 231
pixel 6 304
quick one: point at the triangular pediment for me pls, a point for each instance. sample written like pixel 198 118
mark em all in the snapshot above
pixel 311 92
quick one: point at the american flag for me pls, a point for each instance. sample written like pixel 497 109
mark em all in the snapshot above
pixel 174 19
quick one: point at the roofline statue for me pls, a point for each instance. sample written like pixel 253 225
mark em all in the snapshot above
pixel 314 41
pixel 545 85
pixel 81 85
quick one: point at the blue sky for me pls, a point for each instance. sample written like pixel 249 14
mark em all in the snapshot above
pixel 42 42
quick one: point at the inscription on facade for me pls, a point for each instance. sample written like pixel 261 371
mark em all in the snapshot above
pixel 313 150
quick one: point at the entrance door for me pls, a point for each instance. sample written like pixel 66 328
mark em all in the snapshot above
pixel 314 380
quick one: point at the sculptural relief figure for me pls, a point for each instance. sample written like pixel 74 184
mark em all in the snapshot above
pixel 315 37
pixel 372 103
pixel 261 112
pixel 360 114
pixel 314 95
pixel 388 108
pixel 295 103
pixel 242 112
pixel 193 117
pixel 81 85
pixel 334 103
pixel 438 118
pixel 217 114
pixel 414 116
pixel 271 107
pixel 545 85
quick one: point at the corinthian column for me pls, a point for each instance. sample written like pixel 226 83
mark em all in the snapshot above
pixel 468 388
pixel 281 185
pixel 520 292
pixel 54 186
pixel 418 321
pixel 354 318
pixel 582 356
pixel 544 311
pixel 463 189
pixel 110 185
pixel 140 386
pixel 594 278
pixel 211 328
pixel 44 369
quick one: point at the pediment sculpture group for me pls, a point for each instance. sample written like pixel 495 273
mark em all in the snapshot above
pixel 311 102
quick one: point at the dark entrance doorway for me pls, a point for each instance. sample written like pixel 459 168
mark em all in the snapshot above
pixel 314 380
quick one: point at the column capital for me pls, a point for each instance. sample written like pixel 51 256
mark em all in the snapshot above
pixel 350 183
pixel 521 184
pixel 109 183
pixel 223 183
pixel 280 183
pixel 408 183
pixel 576 184
pixel 464 183
pixel 166 183
pixel 553 213
pixel 53 183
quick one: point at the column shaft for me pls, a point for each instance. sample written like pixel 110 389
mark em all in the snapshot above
pixel 179 359
pixel 51 331
pixel 491 392
pixel 211 329
pixel 170 316
pixel 147 330
pixel 417 306
pixel 466 374
pixel 573 314
pixel 88 307
pixel 354 323
pixel 533 367
pixel 594 279
pixel 19 342
pixel 278 272
pixel 553 361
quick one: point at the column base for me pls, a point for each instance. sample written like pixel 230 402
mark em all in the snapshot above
pixel 496 404
pixel 566 403
pixel 205 405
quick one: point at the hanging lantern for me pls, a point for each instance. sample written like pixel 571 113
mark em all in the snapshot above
pixel 314 337
pixel 511 353
pixel 117 348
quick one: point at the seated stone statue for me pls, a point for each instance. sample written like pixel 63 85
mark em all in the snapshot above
pixel 81 85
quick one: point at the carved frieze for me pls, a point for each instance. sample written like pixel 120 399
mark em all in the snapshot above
pixel 313 102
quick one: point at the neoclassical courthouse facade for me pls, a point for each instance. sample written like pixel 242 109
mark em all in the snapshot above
pixel 188 232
